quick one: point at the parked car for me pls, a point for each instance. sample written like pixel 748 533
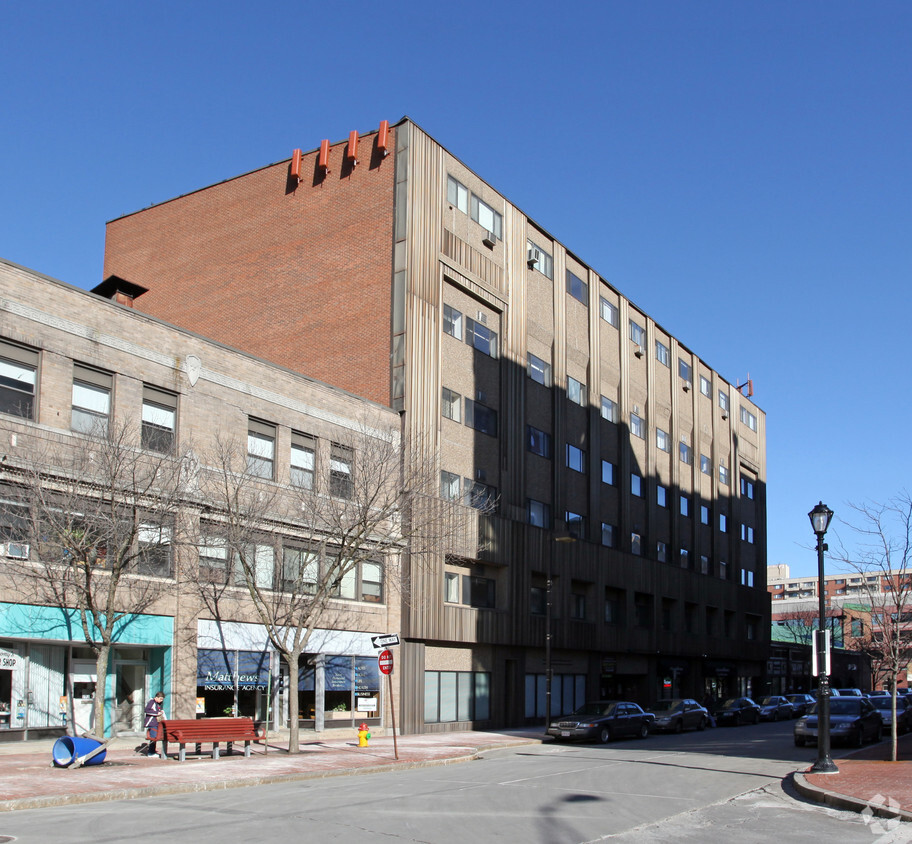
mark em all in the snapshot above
pixel 678 714
pixel 849 692
pixel 853 720
pixel 738 711
pixel 884 705
pixel 775 708
pixel 602 720
pixel 800 703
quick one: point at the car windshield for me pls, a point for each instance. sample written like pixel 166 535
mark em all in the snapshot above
pixel 595 709
pixel 769 701
pixel 845 706
pixel 732 703
pixel 665 705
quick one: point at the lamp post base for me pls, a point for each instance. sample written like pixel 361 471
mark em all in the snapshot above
pixel 824 766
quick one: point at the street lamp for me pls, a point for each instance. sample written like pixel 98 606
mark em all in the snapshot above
pixel 558 537
pixel 820 518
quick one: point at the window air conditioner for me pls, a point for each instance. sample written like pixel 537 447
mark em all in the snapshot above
pixel 489 240
pixel 532 260
pixel 639 351
pixel 17 550
pixel 687 386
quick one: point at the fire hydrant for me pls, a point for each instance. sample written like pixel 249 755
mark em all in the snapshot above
pixel 363 735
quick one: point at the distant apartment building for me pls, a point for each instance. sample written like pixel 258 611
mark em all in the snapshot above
pixel 384 266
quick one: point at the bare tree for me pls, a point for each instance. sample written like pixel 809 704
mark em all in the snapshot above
pixel 883 558
pixel 92 516
pixel 299 550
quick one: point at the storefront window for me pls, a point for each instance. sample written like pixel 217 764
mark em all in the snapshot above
pixel 456 696
pixel 349 681
pixel 232 683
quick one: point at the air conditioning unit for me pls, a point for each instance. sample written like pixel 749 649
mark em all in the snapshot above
pixel 687 386
pixel 481 317
pixel 639 351
pixel 17 550
pixel 531 261
pixel 489 240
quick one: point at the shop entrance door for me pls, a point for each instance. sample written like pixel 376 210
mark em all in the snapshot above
pixel 82 690
pixel 129 698
pixel 45 686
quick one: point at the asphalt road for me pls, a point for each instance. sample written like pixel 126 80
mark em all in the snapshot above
pixel 722 785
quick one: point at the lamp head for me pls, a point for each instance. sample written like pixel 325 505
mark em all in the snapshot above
pixel 820 518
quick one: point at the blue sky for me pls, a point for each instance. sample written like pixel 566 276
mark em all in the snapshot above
pixel 740 169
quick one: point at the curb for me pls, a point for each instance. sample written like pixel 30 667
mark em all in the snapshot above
pixel 191 787
pixel 843 801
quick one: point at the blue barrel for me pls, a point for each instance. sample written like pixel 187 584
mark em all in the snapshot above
pixel 69 748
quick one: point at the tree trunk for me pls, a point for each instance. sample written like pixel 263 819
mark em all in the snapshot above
pixel 101 683
pixel 294 742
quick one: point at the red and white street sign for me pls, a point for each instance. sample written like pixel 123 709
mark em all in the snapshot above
pixel 385 661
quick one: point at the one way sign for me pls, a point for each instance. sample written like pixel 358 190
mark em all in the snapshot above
pixel 386 641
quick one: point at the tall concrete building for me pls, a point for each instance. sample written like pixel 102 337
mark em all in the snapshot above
pixel 383 265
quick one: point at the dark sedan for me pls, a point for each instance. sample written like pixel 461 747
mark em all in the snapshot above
pixel 738 711
pixel 800 703
pixel 678 714
pixel 775 708
pixel 853 720
pixel 884 705
pixel 602 720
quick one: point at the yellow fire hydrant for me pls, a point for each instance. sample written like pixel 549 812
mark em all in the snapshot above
pixel 363 735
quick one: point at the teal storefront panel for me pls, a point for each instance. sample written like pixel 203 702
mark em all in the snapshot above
pixel 23 621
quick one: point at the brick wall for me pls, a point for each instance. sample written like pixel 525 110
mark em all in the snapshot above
pixel 298 274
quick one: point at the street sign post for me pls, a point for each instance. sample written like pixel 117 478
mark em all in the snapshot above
pixel 385 663
pixel 386 641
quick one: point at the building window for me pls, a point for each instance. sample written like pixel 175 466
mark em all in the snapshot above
pixel 479 495
pixel 723 400
pixel 748 418
pixel 612 606
pixel 636 485
pixel 451 587
pixel 661 552
pixel 686 454
pixel 661 496
pixel 18 374
pixel 539 442
pixel 609 409
pixel 576 524
pixel 723 475
pixel 154 541
pixel 578 605
pixel 159 414
pixel 451 696
pixel 481 418
pixel 685 506
pixel 685 558
pixel 449 486
pixel 608 312
pixel 705 386
pixel 261 437
pixel 487 217
pixel 747 579
pixel 538 600
pixel 636 544
pixel 540 259
pixel 747 534
pixel 704 514
pixel 539 370
pixel 705 465
pixel 451 404
pixel 723 523
pixel 577 288
pixel 609 471
pixel 360 581
pixel 608 535
pixel 576 391
pixel 723 570
pixel 704 564
pixel 452 322
pixel 300 570
pixel 662 353
pixel 685 370
pixel 457 195
pixel 663 441
pixel 539 514
pixel 576 459
pixel 637 333
pixel 747 487
pixel 481 338
pixel 341 459
pixel 303 450
pixel 91 400
pixel 637 426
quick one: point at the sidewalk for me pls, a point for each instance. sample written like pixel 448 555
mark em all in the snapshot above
pixel 28 779
pixel 867 781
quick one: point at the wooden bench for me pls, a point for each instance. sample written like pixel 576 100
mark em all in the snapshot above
pixel 213 731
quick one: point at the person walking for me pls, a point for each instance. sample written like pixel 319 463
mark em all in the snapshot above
pixel 155 714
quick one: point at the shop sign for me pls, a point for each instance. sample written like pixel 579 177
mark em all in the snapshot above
pixel 366 704
pixel 9 661
pixel 223 671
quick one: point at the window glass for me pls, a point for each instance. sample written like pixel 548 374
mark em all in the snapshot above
pixel 705 386
pixel 636 546
pixel 577 288
pixel 637 333
pixel 451 404
pixel 539 370
pixel 723 400
pixel 609 409
pixel 91 401
pixel 662 354
pixel 576 391
pixel 576 458
pixel 260 449
pixel 685 505
pixel 608 473
pixel 159 414
pixel 705 465
pixel 661 552
pixel 457 195
pixel 449 486
pixel 637 426
pixel 539 514
pixel 636 485
pixel 481 337
pixel 576 524
pixel 539 442
pixel 748 418
pixel 480 418
pixel 340 471
pixel 608 312
pixel 685 370
pixel 452 322
pixel 723 475
pixel 302 460
pixel 608 535
pixel 18 373
pixel 663 441
pixel 451 587
pixel 685 453
pixel 661 496
pixel 542 260
pixel 487 217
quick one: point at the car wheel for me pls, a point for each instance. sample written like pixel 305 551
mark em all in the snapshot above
pixel 679 725
pixel 644 730
pixel 702 725
pixel 604 735
pixel 799 741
